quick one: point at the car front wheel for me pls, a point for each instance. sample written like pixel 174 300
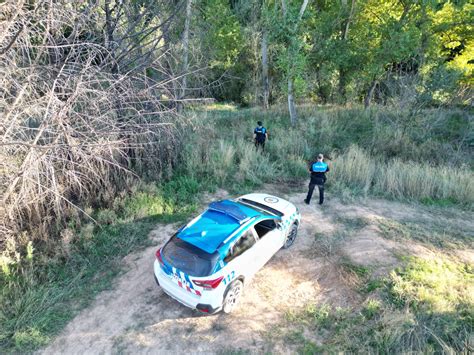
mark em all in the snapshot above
pixel 290 238
pixel 232 297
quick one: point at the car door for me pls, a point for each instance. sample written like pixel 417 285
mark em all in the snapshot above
pixel 242 256
pixel 269 241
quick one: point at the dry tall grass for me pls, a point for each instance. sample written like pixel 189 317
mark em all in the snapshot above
pixel 73 125
pixel 402 179
pixel 393 162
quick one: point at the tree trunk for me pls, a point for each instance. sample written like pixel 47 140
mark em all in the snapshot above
pixel 182 94
pixel 344 38
pixel 321 92
pixel 291 102
pixel 290 52
pixel 266 84
pixel 283 7
pixel 342 85
pixel 349 19
pixel 302 9
pixel 109 35
pixel 370 94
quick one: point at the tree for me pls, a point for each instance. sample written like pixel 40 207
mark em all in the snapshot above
pixel 187 22
pixel 288 32
pixel 80 119
pixel 347 14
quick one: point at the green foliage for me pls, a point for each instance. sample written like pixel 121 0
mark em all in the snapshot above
pixel 428 307
pixel 372 308
pixel 397 163
pixel 359 270
pixel 336 51
pixel 40 293
pixel 441 292
pixel 223 38
pixel 373 285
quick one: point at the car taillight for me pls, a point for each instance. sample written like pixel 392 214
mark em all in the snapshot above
pixel 208 284
pixel 158 256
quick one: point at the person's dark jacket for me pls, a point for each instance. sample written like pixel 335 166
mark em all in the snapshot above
pixel 318 172
pixel 260 133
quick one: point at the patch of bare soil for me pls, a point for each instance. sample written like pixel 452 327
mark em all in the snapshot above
pixel 137 317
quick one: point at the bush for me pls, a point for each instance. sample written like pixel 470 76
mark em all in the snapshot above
pixel 41 290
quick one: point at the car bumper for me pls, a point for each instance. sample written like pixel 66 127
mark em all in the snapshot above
pixel 206 308
pixel 208 302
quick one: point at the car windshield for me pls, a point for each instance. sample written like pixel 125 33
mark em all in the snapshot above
pixel 188 258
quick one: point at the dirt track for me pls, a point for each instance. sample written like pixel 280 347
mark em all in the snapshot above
pixel 137 317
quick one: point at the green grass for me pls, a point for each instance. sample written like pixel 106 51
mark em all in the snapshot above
pixel 353 223
pixel 426 305
pixel 368 151
pixel 355 269
pixel 445 235
pixel 438 202
pixel 44 285
pixel 440 292
pixel 41 293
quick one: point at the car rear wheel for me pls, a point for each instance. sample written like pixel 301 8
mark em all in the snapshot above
pixel 232 297
pixel 290 238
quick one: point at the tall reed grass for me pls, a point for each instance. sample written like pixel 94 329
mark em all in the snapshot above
pixel 402 179
pixel 371 151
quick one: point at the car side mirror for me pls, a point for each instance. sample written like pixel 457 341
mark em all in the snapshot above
pixel 279 226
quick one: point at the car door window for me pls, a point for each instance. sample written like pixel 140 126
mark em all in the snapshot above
pixel 263 227
pixel 245 242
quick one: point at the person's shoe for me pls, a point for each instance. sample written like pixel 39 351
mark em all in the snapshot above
pixel 306 201
pixel 320 203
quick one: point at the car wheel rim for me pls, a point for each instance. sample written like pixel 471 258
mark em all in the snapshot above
pixel 232 298
pixel 292 236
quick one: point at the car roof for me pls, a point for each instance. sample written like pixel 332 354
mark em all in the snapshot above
pixel 272 203
pixel 222 222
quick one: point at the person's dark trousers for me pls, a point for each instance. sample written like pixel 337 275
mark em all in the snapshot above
pixel 310 193
pixel 260 144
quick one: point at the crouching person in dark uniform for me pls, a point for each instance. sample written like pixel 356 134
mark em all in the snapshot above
pixel 260 135
pixel 318 171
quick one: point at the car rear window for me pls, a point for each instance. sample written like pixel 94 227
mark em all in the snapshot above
pixel 188 258
pixel 261 206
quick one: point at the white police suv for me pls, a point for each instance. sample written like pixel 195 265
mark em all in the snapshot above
pixel 207 262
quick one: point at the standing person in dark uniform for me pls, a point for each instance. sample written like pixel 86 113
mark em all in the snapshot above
pixel 260 134
pixel 318 171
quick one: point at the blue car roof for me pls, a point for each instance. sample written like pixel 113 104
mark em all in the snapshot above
pixel 217 223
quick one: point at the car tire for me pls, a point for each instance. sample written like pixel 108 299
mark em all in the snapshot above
pixel 290 238
pixel 232 296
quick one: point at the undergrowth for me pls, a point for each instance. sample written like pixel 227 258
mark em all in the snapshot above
pixel 369 152
pixel 41 291
pixel 443 237
pixel 424 306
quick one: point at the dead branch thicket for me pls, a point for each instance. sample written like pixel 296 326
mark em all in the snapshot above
pixel 78 119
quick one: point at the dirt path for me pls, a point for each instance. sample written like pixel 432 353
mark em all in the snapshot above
pixel 137 317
